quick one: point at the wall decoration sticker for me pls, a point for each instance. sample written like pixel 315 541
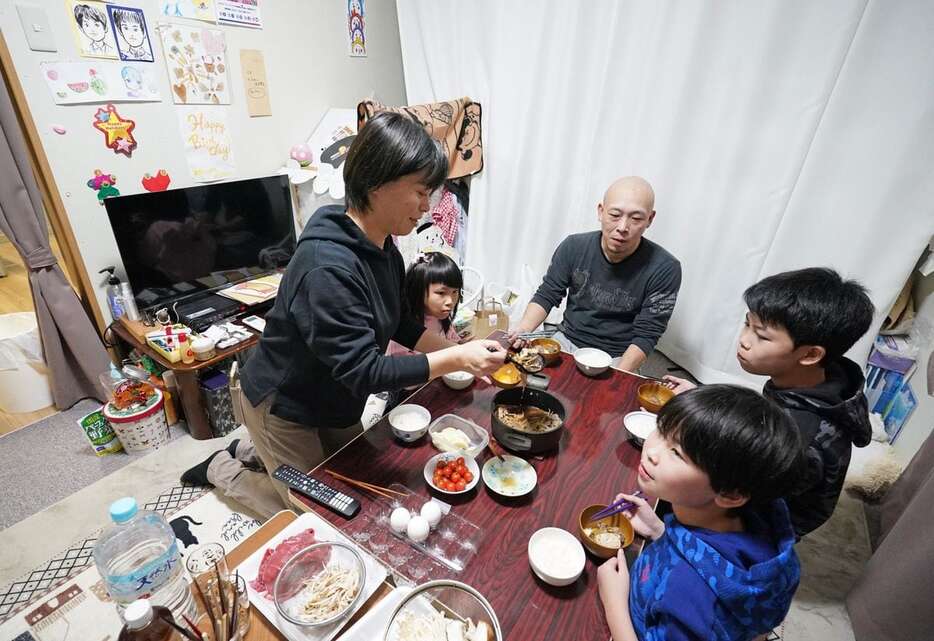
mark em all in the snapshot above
pixel 118 131
pixel 130 33
pixel 92 31
pixel 256 88
pixel 103 184
pixel 102 81
pixel 197 62
pixel 159 182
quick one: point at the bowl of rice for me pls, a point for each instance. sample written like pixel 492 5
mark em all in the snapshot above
pixel 409 422
pixel 320 585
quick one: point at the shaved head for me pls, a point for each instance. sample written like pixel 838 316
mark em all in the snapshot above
pixel 627 210
pixel 631 189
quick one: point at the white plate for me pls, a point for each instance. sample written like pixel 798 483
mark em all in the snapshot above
pixel 511 477
pixel 471 464
pixel 324 531
pixel 372 625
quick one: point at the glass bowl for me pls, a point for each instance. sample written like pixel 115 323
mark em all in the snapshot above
pixel 436 603
pixel 291 591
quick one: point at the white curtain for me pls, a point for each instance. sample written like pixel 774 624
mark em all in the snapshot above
pixel 777 135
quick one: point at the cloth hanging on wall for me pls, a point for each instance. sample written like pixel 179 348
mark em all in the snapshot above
pixel 445 216
pixel 73 351
pixel 453 123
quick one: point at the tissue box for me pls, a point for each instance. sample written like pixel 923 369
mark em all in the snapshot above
pixel 216 392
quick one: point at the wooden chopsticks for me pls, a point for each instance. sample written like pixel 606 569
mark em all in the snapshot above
pixel 370 487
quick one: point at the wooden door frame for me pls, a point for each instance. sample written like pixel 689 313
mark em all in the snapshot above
pixel 51 199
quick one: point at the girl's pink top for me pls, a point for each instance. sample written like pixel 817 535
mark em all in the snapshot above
pixel 432 324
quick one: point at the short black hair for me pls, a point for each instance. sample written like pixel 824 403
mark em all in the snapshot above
pixel 126 15
pixel 815 306
pixel 83 11
pixel 745 443
pixel 427 270
pixel 388 147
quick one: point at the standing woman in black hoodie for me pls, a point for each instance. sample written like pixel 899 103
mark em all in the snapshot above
pixel 322 353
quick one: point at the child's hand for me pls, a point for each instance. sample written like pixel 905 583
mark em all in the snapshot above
pixel 678 385
pixel 642 516
pixel 613 580
pixel 481 357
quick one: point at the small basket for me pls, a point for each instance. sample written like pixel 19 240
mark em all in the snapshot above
pixel 142 428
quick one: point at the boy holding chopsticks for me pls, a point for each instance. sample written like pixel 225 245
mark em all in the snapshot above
pixel 722 565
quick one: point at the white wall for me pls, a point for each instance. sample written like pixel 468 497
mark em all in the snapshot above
pixel 305 47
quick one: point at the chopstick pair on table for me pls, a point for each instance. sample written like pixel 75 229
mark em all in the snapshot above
pixel 385 492
pixel 616 507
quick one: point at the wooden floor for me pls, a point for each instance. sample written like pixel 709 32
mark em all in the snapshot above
pixel 15 296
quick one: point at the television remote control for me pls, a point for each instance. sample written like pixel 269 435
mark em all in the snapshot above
pixel 317 491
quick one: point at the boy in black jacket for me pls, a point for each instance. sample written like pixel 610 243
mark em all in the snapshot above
pixel 799 325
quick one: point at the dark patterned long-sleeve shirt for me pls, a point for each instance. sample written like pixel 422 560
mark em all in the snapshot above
pixel 611 305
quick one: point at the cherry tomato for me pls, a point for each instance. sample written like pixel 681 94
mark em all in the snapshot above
pixel 455 477
pixel 461 469
pixel 460 460
pixel 468 476
pixel 460 486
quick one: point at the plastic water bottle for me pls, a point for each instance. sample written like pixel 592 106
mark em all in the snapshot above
pixel 137 557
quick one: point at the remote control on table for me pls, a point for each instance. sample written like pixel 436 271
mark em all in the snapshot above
pixel 317 491
pixel 257 323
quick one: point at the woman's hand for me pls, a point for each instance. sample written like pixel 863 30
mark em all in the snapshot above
pixel 481 357
pixel 642 516
pixel 613 581
pixel 678 385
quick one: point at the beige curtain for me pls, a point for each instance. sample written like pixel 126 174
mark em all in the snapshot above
pixel 892 599
pixel 73 350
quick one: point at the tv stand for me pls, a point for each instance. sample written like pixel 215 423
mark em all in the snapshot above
pixel 132 335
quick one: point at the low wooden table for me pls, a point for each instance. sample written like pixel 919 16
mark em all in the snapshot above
pixel 595 460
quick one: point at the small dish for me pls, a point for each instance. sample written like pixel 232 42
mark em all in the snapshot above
pixel 653 396
pixel 556 556
pixel 509 476
pixel 617 520
pixel 409 422
pixel 508 376
pixel 640 424
pixel 592 361
pixel 469 463
pixel 549 348
pixel 290 588
pixel 458 380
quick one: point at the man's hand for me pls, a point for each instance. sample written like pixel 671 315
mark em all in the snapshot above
pixel 613 581
pixel 643 518
pixel 678 385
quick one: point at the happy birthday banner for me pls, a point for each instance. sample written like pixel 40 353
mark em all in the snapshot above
pixel 207 141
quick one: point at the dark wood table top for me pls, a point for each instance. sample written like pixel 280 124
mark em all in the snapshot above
pixel 595 460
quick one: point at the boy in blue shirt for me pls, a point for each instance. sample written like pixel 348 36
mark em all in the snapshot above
pixel 798 327
pixel 722 566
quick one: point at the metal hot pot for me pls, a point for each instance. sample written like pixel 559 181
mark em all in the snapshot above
pixel 527 442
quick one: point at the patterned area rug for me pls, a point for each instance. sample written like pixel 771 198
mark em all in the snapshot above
pixel 63 599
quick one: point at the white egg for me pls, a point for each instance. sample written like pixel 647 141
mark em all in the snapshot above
pixel 431 511
pixel 418 529
pixel 399 519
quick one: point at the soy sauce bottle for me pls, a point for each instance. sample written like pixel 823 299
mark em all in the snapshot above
pixel 146 622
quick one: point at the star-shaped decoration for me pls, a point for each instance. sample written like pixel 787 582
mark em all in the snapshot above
pixel 117 130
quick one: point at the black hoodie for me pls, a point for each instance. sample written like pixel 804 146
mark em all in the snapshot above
pixel 339 304
pixel 831 418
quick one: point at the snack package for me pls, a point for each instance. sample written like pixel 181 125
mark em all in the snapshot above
pixel 103 439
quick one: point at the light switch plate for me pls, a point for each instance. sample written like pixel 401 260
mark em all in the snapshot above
pixel 37 28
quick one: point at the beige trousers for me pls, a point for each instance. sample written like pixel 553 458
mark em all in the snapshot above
pixel 277 442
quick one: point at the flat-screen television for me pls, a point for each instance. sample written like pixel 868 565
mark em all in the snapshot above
pixel 181 243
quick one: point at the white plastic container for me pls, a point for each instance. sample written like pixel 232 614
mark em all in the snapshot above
pixel 24 377
pixel 137 558
pixel 478 437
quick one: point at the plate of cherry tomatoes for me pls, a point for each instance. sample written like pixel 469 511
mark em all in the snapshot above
pixel 452 473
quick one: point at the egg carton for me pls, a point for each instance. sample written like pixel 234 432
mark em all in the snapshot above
pixel 450 545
